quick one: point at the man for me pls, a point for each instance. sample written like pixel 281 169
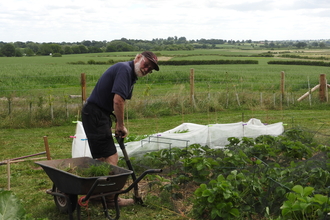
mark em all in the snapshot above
pixel 108 97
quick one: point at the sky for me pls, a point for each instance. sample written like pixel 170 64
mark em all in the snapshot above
pixel 99 20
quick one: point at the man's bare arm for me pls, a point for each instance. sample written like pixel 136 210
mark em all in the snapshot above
pixel 119 107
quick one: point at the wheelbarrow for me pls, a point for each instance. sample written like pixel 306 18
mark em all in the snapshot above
pixel 67 186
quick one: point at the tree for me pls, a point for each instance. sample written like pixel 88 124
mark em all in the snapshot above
pixel 143 46
pixel 170 40
pixel 119 46
pixel 87 43
pixel 301 45
pixel 83 49
pixel 18 53
pixel 75 49
pixel 99 44
pixel 8 50
pixel 110 48
pixel 68 50
pixel 322 45
pixel 315 44
pixel 56 48
pixel 32 46
pixel 45 49
pixel 182 40
pixel 19 44
pixel 28 52
pixel 94 49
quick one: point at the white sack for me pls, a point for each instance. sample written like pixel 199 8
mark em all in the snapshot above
pixel 80 147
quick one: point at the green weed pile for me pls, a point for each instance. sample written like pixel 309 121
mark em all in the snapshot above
pixel 94 170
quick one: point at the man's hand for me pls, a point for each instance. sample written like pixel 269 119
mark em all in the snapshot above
pixel 121 131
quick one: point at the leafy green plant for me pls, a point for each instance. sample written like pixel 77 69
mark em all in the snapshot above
pixel 261 147
pixel 201 168
pixel 57 55
pixel 217 199
pixel 301 204
pixel 11 207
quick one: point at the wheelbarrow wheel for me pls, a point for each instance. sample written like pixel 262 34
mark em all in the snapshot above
pixel 62 203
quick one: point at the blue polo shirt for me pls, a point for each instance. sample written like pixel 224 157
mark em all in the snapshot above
pixel 118 79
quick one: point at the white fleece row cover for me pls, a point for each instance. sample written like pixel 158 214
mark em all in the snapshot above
pixel 212 135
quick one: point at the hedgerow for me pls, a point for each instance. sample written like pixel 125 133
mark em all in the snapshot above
pixel 299 62
pixel 206 62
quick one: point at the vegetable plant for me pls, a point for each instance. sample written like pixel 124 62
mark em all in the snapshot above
pixel 302 204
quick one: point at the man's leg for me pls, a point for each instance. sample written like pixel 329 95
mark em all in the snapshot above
pixel 113 159
pixel 97 125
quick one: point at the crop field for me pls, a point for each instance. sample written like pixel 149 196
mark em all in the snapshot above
pixel 36 100
pixel 30 86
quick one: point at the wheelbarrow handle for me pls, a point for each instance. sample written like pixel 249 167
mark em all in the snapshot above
pixel 95 184
pixel 135 183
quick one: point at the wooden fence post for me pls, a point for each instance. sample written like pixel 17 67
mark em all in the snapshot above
pixel 192 92
pixel 47 148
pixel 8 174
pixel 83 88
pixel 323 91
pixel 282 84
pixel 9 105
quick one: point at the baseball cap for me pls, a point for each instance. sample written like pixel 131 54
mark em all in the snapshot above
pixel 152 57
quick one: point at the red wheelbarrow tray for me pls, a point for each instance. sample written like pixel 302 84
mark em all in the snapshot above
pixel 72 184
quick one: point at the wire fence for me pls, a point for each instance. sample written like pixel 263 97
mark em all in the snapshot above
pixel 59 97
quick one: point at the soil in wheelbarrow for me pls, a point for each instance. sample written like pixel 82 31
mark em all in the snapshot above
pixel 94 170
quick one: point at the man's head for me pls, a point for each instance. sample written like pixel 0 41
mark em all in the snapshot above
pixel 144 63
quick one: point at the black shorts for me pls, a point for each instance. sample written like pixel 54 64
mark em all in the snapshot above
pixel 97 125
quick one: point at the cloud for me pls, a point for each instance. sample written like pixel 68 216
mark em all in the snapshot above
pixel 74 20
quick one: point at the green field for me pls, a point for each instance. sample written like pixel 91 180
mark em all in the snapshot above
pixel 32 84
pixel 29 86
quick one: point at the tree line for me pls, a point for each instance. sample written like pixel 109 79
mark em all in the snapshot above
pixel 29 48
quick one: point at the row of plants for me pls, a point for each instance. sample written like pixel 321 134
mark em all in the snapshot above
pixel 284 177
pixel 93 62
pixel 174 62
pixel 206 62
pixel 304 57
pixel 299 62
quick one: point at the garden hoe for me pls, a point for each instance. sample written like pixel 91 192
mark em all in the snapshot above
pixel 137 198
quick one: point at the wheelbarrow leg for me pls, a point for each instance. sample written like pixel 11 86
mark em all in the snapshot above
pixel 78 212
pixel 70 208
pixel 105 207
